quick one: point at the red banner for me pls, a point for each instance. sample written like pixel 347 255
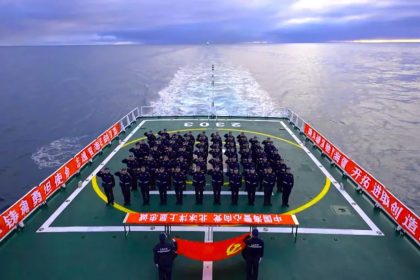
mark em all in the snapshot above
pixel 212 251
pixel 10 218
pixel 210 219
pixel 402 215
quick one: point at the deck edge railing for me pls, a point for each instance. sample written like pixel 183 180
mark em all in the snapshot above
pixel 405 219
pixel 14 216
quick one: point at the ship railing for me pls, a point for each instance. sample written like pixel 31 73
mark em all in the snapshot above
pixel 129 118
pixel 405 219
pixel 14 216
pixel 209 112
pixel 155 111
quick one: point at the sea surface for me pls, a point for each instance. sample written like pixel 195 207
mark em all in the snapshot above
pixel 363 97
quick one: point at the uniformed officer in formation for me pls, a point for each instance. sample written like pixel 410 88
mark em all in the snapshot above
pixel 251 183
pixel 199 181
pixel 253 254
pixel 164 256
pixel 179 179
pixel 217 181
pixel 288 182
pixel 108 183
pixel 162 185
pixel 143 177
pixel 280 170
pixel 125 183
pixel 235 182
pixel 268 185
pixel 165 152
pixel 132 165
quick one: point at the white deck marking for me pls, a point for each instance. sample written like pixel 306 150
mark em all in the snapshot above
pixel 208 266
pixel 208 193
pixel 286 230
pixel 45 228
pixel 346 196
pixel 66 203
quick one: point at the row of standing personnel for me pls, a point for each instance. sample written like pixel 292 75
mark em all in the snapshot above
pixel 262 167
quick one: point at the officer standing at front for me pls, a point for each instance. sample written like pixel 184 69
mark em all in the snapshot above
pixel 268 185
pixel 144 182
pixel 179 179
pixel 235 182
pixel 253 254
pixel 288 182
pixel 164 255
pixel 125 183
pixel 108 183
pixel 162 185
pixel 199 180
pixel 251 182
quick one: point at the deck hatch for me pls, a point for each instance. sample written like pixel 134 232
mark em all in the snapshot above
pixel 340 210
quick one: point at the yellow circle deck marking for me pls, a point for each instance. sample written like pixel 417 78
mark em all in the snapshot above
pixel 314 200
pixel 103 197
pixel 305 206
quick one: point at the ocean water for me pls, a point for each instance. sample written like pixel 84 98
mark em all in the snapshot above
pixel 365 98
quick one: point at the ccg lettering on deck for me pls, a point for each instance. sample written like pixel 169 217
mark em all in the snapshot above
pixel 21 209
pixel 213 124
pixel 400 213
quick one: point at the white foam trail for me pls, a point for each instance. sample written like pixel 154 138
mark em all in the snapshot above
pixel 235 92
pixel 57 152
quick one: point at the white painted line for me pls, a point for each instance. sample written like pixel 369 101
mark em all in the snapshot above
pixel 208 266
pixel 287 230
pixel 63 206
pixel 208 193
pixel 295 220
pixel 346 196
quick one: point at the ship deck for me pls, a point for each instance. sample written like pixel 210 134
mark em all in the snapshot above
pixel 341 235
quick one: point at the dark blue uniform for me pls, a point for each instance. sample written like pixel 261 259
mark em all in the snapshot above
pixel 253 252
pixel 235 182
pixel 162 185
pixel 132 165
pixel 280 170
pixel 217 180
pixel 168 165
pixel 231 166
pixel 108 183
pixel 164 255
pixel 151 138
pixel 151 167
pixel 144 182
pixel 199 180
pixel 288 182
pixel 125 183
pixel 261 167
pixel 179 179
pixel 251 182
pixel 268 185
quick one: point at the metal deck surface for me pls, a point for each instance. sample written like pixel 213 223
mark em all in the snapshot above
pixel 341 234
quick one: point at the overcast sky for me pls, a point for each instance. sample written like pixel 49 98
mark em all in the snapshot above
pixel 39 22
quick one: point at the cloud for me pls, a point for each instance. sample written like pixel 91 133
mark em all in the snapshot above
pixel 197 21
pixel 327 5
pixel 303 20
